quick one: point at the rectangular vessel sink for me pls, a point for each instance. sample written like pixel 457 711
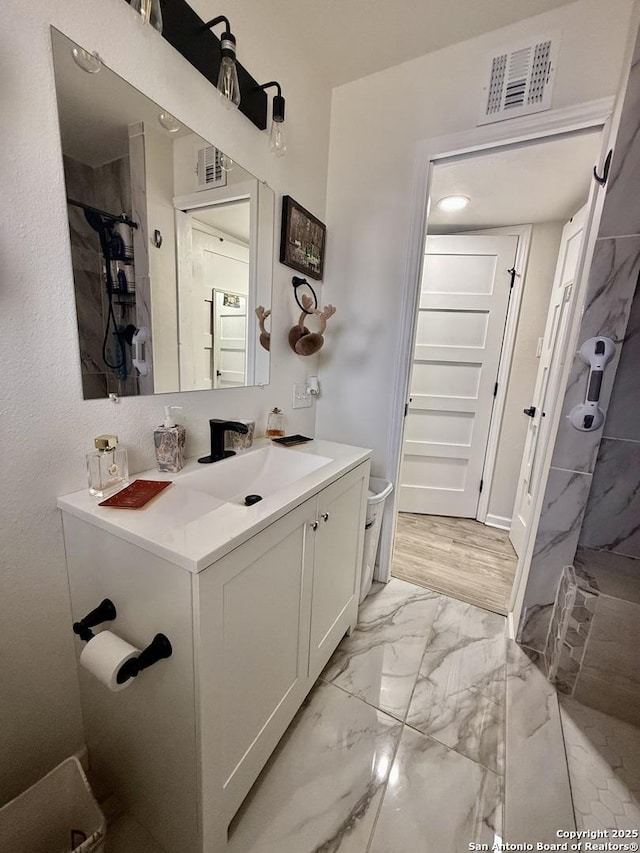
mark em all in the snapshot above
pixel 260 472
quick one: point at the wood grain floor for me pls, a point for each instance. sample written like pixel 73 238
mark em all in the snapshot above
pixel 459 557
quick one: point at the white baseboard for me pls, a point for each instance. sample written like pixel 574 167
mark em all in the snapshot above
pixel 498 521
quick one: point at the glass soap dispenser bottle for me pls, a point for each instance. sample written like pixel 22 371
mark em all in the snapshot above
pixel 107 466
pixel 169 440
pixel 275 424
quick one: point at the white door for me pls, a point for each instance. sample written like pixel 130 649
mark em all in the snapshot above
pixel 216 264
pixel 229 339
pixel 548 377
pixel 461 318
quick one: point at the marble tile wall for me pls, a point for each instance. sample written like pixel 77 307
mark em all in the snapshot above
pixel 583 462
pixel 555 546
pixel 87 277
pixel 107 187
pixel 595 632
pixel 612 517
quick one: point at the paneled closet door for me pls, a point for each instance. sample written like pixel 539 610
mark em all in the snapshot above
pixel 460 326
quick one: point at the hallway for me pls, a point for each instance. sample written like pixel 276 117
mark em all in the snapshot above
pixel 459 557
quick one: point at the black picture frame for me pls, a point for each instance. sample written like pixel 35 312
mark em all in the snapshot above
pixel 302 239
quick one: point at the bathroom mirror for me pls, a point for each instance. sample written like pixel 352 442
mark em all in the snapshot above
pixel 171 241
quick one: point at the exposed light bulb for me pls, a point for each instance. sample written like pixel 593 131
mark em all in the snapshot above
pixel 149 12
pixel 226 163
pixel 169 122
pixel 89 62
pixel 452 203
pixel 228 85
pixel 277 141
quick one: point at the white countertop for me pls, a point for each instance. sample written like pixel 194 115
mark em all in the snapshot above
pixel 193 529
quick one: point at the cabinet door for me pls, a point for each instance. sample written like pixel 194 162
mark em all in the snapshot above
pixel 254 610
pixel 337 564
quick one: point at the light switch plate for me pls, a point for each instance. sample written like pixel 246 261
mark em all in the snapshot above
pixel 301 400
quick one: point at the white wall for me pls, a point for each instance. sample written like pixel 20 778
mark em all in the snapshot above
pixel 543 255
pixel 158 159
pixel 376 123
pixel 47 427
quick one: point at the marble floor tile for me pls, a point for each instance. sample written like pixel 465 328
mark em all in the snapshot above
pixel 380 661
pixel 436 801
pixel 537 790
pixel 603 755
pixel 460 691
pixel 322 787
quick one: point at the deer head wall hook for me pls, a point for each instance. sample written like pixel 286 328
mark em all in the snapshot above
pixel 301 340
pixel 265 337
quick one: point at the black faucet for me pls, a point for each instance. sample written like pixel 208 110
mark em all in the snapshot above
pixel 218 428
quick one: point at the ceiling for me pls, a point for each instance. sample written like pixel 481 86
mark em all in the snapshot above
pixel 542 182
pixel 348 40
pixel 233 219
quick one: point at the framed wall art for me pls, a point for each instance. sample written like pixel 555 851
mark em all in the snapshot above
pixel 302 240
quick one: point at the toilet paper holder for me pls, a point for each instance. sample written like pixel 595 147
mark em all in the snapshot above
pixel 158 649
pixel 104 612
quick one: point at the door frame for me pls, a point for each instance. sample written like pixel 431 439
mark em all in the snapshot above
pixel 186 204
pixel 523 233
pixel 591 115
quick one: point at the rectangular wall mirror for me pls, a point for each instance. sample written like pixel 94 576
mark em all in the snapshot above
pixel 171 241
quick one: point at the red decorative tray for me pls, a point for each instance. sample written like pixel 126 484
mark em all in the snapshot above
pixel 137 494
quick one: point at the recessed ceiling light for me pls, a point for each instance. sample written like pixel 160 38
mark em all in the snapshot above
pixel 451 203
pixel 169 122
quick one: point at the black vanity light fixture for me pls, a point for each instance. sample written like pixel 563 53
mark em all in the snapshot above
pixel 277 142
pixel 228 84
pixel 190 36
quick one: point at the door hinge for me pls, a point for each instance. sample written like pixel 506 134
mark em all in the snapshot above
pixel 495 390
pixel 481 485
pixel 512 272
pixel 406 409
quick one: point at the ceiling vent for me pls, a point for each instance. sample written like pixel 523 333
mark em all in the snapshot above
pixel 209 171
pixel 520 80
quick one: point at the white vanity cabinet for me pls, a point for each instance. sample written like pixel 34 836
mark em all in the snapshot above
pixel 251 632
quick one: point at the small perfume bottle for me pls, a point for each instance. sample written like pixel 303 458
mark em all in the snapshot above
pixel 275 424
pixel 107 466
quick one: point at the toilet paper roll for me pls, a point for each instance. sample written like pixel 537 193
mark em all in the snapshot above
pixel 103 656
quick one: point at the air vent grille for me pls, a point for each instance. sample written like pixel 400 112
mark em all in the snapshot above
pixel 209 170
pixel 540 72
pixel 520 80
